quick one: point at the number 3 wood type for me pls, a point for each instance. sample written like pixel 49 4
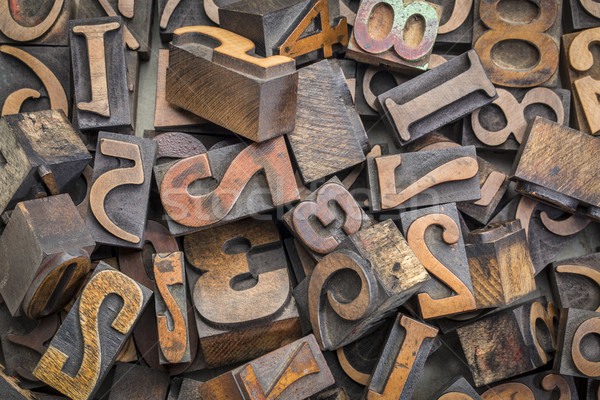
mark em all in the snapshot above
pixel 94 332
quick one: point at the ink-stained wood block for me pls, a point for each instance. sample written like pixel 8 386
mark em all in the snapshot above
pixel 331 394
pixel 132 66
pixel 580 72
pixel 457 389
pixel 94 332
pixel 171 308
pixel 251 96
pixel 138 382
pixel 342 380
pixel 166 115
pixel 241 188
pixel 34 78
pixel 190 389
pixel 237 319
pixel 138 265
pixel 38 148
pixel 545 168
pixel 44 253
pixel 99 74
pixel 300 29
pixel 328 136
pixel 10 389
pixel 501 125
pixel 119 196
pixel 136 16
pixel 456 25
pixel 35 23
pixel 593 389
pixel 500 265
pixel 404 353
pixel 436 98
pixel 543 385
pixel 518 42
pixel 547 229
pixel 389 274
pixel 578 348
pixel 400 181
pixel 434 235
pixel 178 145
pixel 174 14
pixel 581 14
pixel 292 372
pixel 372 81
pixel 411 32
pixel 510 342
pixel 323 219
pixel 576 282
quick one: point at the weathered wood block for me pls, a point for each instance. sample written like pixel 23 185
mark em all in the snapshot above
pixel 436 98
pixel 94 332
pixel 101 93
pixel 251 96
pixel 434 235
pixel 581 14
pixel 138 382
pixel 241 291
pixel 35 23
pixel 501 125
pixel 328 136
pixel 10 389
pixel 578 347
pixel 544 168
pixel 457 389
pixel 242 189
pixel 500 265
pixel 44 256
pixel 530 35
pixel 542 385
pixel 411 28
pixel 456 25
pixel 576 282
pixel 174 14
pixel 292 372
pixel 34 78
pixel 400 181
pixel 119 196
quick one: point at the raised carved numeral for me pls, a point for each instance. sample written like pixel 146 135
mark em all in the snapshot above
pixel 490 187
pixel 587 367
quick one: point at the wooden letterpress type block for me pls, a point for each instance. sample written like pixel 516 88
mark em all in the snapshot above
pixel 400 181
pixel 503 130
pixel 543 385
pixel 41 22
pixel 119 196
pixel 174 14
pixel 331 394
pixel 237 320
pixel 35 148
pixel 544 168
pixel 578 348
pixel 34 78
pixel 500 265
pixel 458 389
pixel 548 232
pixel 531 34
pixel 134 381
pixel 320 227
pixel 136 265
pixel 211 8
pixel 411 32
pixel 44 253
pixel 402 360
pixel 136 17
pixel 510 342
pixel 456 24
pixel 11 390
pixel 251 96
pixel 593 389
pixel 171 308
pixel 166 115
pixel 94 332
pixel 576 282
pixel 434 235
pixel 178 145
pixel 242 189
pixel 99 74
pixel 300 29
pixel 582 14
pixel 292 372
pixel 329 136
pixel 190 389
pixel 372 81
pixel 437 98
pixel 389 274
pixel 580 72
